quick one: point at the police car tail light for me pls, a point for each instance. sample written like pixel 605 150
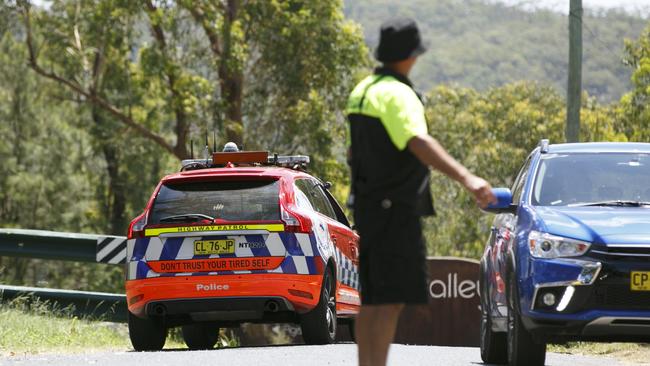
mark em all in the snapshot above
pixel 545 245
pixel 294 222
pixel 136 228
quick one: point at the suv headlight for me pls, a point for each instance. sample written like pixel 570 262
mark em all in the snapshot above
pixel 545 245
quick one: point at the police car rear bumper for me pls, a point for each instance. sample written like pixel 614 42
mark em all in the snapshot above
pixel 253 293
pixel 222 309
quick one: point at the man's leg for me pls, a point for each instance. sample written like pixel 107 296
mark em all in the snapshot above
pixel 375 329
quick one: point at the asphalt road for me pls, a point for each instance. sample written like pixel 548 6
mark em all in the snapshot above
pixel 332 355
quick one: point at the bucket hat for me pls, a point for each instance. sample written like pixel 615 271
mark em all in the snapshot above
pixel 399 39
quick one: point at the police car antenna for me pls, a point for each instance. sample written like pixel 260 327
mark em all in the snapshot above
pixel 191 149
pixel 206 150
pixel 214 141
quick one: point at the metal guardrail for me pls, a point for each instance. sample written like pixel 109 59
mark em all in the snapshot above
pixel 95 305
pixel 69 247
pixel 64 246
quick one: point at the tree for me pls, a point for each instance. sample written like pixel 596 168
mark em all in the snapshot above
pixel 149 67
pixel 633 111
pixel 290 53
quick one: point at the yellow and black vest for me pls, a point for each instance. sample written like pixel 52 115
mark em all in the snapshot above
pixel 384 113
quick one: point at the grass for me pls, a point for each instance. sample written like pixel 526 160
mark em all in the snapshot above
pixel 629 352
pixel 38 327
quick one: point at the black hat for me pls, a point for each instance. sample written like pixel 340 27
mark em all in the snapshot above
pixel 399 39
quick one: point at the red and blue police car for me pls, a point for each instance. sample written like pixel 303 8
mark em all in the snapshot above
pixel 241 237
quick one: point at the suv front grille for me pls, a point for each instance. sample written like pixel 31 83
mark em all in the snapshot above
pixel 619 297
pixel 615 252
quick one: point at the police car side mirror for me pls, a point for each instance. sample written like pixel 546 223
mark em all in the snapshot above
pixel 504 202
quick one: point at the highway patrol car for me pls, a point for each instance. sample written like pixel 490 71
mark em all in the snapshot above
pixel 240 237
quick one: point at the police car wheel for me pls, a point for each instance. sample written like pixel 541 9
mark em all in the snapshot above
pixel 494 346
pixel 522 348
pixel 146 334
pixel 319 325
pixel 200 336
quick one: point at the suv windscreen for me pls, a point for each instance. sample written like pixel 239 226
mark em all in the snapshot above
pixel 227 200
pixel 575 179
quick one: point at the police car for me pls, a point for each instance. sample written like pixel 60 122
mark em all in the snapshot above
pixel 568 257
pixel 240 237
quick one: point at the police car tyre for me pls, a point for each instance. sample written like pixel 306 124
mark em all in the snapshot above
pixel 200 336
pixel 522 348
pixel 494 345
pixel 319 325
pixel 146 334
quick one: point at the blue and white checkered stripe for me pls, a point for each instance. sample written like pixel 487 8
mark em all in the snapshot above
pixel 348 272
pixel 300 252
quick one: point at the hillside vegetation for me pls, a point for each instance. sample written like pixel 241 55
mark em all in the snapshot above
pixel 494 78
pixel 479 45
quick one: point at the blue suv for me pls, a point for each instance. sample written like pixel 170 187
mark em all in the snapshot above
pixel 568 256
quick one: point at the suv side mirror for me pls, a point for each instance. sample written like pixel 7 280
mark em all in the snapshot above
pixel 504 202
pixel 327 185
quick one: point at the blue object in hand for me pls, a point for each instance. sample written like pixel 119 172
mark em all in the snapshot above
pixel 504 199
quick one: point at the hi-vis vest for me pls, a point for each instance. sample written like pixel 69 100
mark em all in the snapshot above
pixel 384 113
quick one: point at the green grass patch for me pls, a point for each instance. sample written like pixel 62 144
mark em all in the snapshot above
pixel 593 348
pixel 36 327
pixel 31 332
pixel 630 352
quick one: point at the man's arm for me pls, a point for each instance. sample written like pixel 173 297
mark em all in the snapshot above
pixel 431 153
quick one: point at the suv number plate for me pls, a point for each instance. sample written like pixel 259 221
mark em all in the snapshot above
pixel 640 281
pixel 206 247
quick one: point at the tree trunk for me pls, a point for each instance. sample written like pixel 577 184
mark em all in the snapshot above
pixel 116 191
pixel 231 79
pixel 231 90
pixel 116 195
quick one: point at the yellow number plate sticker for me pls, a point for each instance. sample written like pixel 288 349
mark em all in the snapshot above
pixel 640 281
pixel 206 247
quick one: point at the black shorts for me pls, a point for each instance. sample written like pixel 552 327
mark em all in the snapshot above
pixel 392 257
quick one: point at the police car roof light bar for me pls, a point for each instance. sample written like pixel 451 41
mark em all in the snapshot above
pixel 543 146
pixel 289 160
pixel 263 158
pixel 193 164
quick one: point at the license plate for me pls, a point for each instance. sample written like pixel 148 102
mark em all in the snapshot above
pixel 640 281
pixel 206 247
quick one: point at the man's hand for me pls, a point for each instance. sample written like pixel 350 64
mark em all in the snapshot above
pixel 481 190
pixel 430 153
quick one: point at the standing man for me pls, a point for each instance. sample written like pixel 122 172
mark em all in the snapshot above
pixel 390 156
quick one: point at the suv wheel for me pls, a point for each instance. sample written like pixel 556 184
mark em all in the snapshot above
pixel 319 325
pixel 494 346
pixel 522 348
pixel 146 334
pixel 200 336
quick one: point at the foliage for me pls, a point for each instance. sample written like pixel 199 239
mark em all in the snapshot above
pixel 633 111
pixel 480 45
pixel 303 56
pixel 101 97
pixel 492 133
pixel 112 90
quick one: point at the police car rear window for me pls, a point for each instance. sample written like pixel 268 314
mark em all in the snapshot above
pixel 226 200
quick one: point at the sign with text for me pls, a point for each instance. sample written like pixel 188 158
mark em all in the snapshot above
pixel 452 317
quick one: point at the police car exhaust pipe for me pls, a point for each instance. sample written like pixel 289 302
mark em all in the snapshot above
pixel 271 306
pixel 159 310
